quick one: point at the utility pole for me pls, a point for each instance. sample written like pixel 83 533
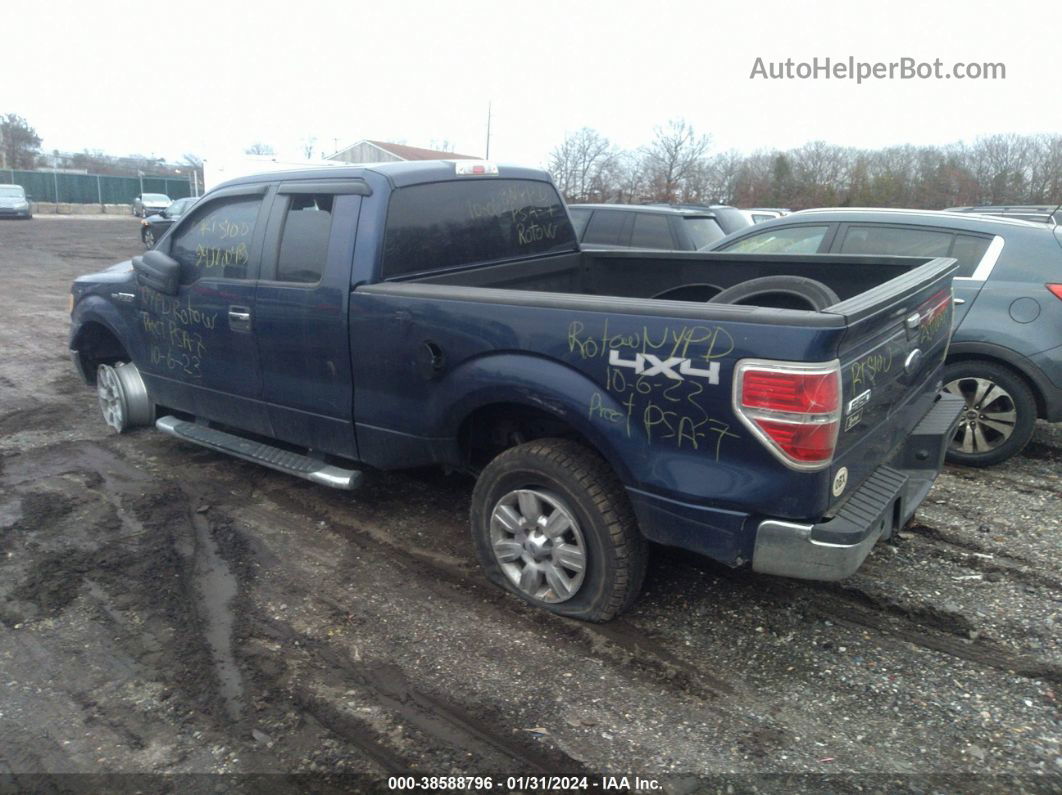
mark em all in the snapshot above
pixel 488 131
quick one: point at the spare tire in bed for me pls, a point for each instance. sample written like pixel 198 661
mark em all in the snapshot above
pixel 780 292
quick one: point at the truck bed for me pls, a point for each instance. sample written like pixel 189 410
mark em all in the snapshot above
pixel 684 276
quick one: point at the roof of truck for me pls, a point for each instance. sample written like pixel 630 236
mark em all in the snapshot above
pixel 398 174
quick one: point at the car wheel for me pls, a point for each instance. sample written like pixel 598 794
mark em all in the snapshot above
pixel 123 397
pixel 148 237
pixel 551 523
pixel 1000 413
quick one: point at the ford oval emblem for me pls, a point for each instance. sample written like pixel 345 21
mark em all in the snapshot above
pixel 911 362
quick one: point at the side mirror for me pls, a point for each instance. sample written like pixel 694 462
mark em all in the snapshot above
pixel 157 271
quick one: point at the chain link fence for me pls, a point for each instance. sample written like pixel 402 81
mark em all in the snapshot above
pixel 55 186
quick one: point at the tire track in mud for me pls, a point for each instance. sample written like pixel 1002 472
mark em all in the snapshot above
pixel 618 642
pixel 932 629
pixel 973 556
pixel 938 631
pixel 157 543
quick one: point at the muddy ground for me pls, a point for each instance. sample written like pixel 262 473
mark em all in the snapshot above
pixel 164 609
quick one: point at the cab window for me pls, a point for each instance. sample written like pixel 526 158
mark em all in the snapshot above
pixel 217 242
pixel 304 241
pixel 441 225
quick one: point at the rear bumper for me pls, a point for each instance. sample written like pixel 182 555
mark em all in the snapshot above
pixel 834 549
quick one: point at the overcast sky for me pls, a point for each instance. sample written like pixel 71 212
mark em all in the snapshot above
pixel 212 78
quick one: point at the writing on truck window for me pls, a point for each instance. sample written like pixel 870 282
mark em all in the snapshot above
pixel 218 243
pixel 448 224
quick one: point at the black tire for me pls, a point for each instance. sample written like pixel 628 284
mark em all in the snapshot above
pixel 781 292
pixel 615 551
pixel 148 237
pixel 963 378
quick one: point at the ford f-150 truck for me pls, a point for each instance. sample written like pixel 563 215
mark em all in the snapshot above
pixel 410 314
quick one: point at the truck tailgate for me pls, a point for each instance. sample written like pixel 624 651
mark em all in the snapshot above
pixel 891 360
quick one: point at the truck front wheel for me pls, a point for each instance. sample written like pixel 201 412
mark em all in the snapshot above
pixel 551 522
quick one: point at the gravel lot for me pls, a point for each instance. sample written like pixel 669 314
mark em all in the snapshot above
pixel 164 609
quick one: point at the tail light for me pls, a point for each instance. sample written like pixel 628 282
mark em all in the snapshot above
pixel 1056 290
pixel 793 408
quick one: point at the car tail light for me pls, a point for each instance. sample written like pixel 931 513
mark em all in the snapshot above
pixel 1056 290
pixel 793 408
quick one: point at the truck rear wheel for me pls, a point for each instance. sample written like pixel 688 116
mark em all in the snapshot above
pixel 551 522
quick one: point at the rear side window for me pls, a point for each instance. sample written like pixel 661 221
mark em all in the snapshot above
pixel 702 231
pixel 218 241
pixel 447 224
pixel 304 241
pixel 606 228
pixel 787 240
pixel 896 241
pixel 579 219
pixel 651 230
pixel 969 250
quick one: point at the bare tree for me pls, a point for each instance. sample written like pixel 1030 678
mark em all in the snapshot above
pixel 308 144
pixel 1006 169
pixel 673 158
pixel 580 165
pixel 259 148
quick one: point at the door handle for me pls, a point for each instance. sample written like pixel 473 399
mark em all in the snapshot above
pixel 960 300
pixel 239 318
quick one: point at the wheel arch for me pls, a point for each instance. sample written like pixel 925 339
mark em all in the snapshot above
pixel 532 395
pixel 96 342
pixel 1002 357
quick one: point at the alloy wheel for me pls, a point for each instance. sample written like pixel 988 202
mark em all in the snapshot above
pixel 989 418
pixel 539 545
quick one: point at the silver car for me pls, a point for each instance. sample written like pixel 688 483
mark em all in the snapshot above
pixel 14 203
pixel 150 203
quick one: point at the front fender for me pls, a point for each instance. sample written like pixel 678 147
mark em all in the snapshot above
pixel 95 310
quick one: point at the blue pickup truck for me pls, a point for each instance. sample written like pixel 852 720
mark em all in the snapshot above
pixel 781 411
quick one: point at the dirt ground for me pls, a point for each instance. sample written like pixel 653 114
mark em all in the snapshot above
pixel 164 609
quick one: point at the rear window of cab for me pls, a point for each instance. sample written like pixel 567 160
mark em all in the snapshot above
pixel 442 225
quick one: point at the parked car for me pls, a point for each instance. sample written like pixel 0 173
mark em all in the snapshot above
pixel 1005 358
pixel 14 203
pixel 1048 213
pixel 763 214
pixel 730 219
pixel 442 313
pixel 150 203
pixel 641 226
pixel 154 226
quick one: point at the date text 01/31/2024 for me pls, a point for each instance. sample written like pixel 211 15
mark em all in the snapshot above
pixel 521 783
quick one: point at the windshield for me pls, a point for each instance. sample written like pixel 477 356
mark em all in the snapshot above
pixel 703 231
pixel 12 191
pixel 156 197
pixel 178 207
